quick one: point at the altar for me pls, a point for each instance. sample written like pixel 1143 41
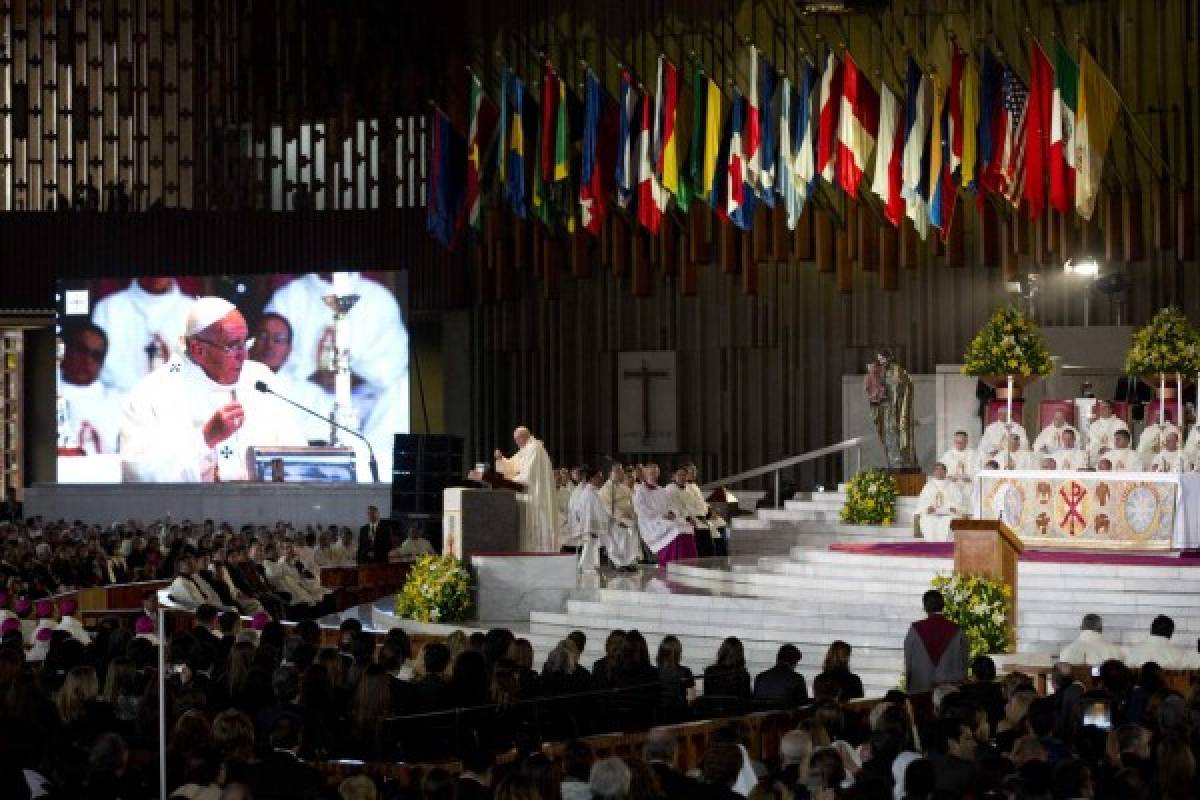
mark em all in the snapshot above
pixel 1132 511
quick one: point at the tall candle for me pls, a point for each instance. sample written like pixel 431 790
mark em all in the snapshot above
pixel 1162 402
pixel 1179 400
pixel 1010 392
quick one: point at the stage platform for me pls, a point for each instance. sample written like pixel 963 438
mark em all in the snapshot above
pixel 236 503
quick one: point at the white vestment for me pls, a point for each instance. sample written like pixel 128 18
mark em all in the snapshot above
pixel 1073 459
pixel 1152 439
pixel 134 320
pixel 1020 459
pixel 94 407
pixel 531 466
pixel 626 547
pixel 378 351
pixel 1193 443
pixel 961 466
pixel 1090 648
pixel 994 435
pixel 1050 440
pixel 562 505
pixel 695 506
pixel 74 627
pixel 1102 433
pixel 947 504
pixel 1171 461
pixel 1123 459
pixel 652 505
pixel 590 524
pixel 1161 651
pixel 162 437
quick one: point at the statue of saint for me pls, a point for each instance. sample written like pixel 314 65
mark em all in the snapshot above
pixel 889 390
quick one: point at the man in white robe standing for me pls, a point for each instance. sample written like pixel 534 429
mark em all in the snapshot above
pixel 1050 440
pixel 144 324
pixel 662 528
pixel 195 418
pixel 996 435
pixel 530 466
pixel 378 347
pixel 1102 429
pixel 93 410
pixel 625 548
pixel 961 464
pixel 938 504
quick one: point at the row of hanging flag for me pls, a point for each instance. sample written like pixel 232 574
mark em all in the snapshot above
pixel 566 161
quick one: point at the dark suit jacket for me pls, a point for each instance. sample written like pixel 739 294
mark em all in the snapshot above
pixel 674 783
pixel 377 550
pixel 781 685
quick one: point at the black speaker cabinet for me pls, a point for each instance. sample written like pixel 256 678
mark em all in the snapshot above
pixel 424 464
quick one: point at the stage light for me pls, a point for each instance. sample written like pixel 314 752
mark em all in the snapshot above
pixel 1084 267
pixel 1012 287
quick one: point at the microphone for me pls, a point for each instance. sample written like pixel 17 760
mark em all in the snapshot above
pixel 262 387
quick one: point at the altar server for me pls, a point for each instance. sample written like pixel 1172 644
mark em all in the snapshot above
pixel 194 418
pixel 662 528
pixel 530 466
pixel 938 504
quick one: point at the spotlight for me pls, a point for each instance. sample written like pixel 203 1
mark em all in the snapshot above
pixel 1084 267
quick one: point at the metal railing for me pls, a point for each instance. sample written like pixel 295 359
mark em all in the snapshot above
pixel 777 467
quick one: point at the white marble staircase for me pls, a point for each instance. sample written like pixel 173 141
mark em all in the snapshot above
pixel 811 519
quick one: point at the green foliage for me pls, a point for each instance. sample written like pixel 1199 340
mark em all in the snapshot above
pixel 980 606
pixel 1007 344
pixel 870 499
pixel 438 589
pixel 1166 345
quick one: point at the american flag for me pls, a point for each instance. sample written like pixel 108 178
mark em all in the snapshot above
pixel 1012 165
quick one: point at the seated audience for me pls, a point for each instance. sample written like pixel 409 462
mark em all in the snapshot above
pixel 836 681
pixel 782 685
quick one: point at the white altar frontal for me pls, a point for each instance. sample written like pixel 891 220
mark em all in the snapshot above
pixel 1128 511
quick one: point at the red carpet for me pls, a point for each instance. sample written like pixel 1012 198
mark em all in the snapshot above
pixel 1189 558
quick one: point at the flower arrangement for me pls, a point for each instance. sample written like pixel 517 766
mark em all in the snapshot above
pixel 1007 344
pixel 438 589
pixel 1166 345
pixel 870 499
pixel 980 606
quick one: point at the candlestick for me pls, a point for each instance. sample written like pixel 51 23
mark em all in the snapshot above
pixel 1162 390
pixel 1179 400
pixel 1010 393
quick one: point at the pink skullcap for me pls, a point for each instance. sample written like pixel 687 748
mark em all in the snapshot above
pixel 23 605
pixel 43 608
pixel 144 624
pixel 43 634
pixel 260 620
pixel 9 625
pixel 67 606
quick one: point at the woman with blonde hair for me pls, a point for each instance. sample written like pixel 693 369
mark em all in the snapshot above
pixel 79 691
pixel 1015 723
pixel 837 682
pixel 370 702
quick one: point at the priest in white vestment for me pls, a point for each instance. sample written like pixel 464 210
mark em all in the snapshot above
pixel 1069 456
pixel 591 522
pixel 563 492
pixel 530 466
pixel 1014 456
pixel 625 547
pixel 1193 443
pixel 195 418
pixel 996 434
pixel 1171 458
pixel 962 462
pixel 1153 437
pixel 1121 456
pixel 92 415
pixel 1102 429
pixel 144 324
pixel 662 528
pixel 938 504
pixel 378 347
pixel 1051 438
pixel 691 506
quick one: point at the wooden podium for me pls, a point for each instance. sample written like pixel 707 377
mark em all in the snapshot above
pixel 988 548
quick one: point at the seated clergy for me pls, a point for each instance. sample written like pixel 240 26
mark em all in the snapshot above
pixel 1051 439
pixel 996 434
pixel 1102 428
pixel 1070 456
pixel 1171 458
pixel 692 507
pixel 662 528
pixel 1152 439
pixel 1090 647
pixel 961 464
pixel 623 545
pixel 1193 444
pixel 1013 456
pixel 1048 463
pixel 1159 649
pixel 939 502
pixel 1121 456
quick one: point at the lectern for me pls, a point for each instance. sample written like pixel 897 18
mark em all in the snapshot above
pixel 988 548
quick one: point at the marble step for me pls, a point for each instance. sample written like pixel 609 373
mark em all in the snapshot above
pixel 822 515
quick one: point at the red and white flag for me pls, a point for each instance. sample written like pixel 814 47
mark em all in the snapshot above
pixel 858 124
pixel 828 103
pixel 752 137
pixel 651 197
pixel 889 155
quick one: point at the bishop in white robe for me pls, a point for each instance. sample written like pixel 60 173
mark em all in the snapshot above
pixel 144 324
pixel 196 417
pixel 938 504
pixel 1052 437
pixel 996 434
pixel 1102 429
pixel 378 346
pixel 662 528
pixel 962 462
pixel 530 466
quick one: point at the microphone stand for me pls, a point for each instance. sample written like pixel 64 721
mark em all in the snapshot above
pixel 263 387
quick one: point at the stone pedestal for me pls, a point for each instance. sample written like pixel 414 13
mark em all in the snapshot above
pixel 479 520
pixel 511 585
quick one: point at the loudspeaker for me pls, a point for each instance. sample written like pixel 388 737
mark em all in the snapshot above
pixel 423 465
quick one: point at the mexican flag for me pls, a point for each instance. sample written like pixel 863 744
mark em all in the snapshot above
pixel 1062 129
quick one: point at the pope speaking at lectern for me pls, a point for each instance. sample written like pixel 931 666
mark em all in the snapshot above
pixel 194 418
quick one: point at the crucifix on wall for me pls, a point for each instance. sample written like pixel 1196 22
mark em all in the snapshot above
pixel 647 418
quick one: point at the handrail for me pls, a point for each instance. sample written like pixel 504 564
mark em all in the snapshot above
pixel 812 455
